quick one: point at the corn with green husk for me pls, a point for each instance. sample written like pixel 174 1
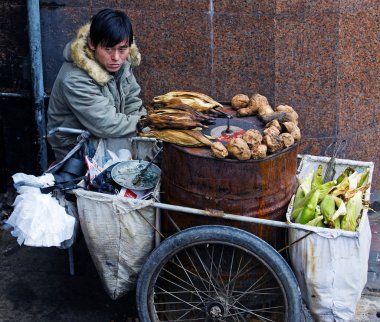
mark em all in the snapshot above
pixel 354 207
pixel 358 179
pixel 328 209
pixel 363 179
pixel 318 214
pixel 317 221
pixel 344 174
pixel 339 213
pixel 337 224
pixel 306 183
pixel 351 192
pixel 341 188
pixel 339 203
pixel 299 195
pixel 303 189
pixel 300 203
pixel 317 179
pixel 308 210
pixel 353 180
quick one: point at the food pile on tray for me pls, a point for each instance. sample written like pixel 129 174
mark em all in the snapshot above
pixel 183 117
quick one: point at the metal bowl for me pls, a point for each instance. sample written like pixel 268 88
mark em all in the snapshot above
pixel 124 173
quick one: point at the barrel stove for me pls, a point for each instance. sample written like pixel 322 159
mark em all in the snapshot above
pixel 192 177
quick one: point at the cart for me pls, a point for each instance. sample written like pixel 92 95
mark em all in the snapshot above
pixel 213 272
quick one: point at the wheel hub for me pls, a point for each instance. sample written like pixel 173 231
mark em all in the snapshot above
pixel 215 310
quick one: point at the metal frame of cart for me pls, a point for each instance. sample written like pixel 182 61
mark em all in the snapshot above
pixel 214 273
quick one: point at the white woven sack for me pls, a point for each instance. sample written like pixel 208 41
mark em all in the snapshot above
pixel 119 235
pixel 331 269
pixel 331 265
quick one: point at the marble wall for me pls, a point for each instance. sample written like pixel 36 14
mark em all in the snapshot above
pixel 328 67
pixel 320 56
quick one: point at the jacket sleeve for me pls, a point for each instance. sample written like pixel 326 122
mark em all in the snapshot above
pixel 95 111
pixel 133 105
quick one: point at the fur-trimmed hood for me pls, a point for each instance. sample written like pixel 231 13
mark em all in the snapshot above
pixel 79 52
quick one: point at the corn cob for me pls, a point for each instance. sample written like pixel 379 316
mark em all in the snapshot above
pixel 198 136
pixel 336 218
pixel 189 138
pixel 165 120
pixel 317 178
pixel 300 194
pixel 354 208
pixel 328 209
pixel 351 192
pixel 323 189
pixel 201 96
pixel 199 101
pixel 337 224
pixel 316 221
pixel 358 179
pixel 308 210
pixel 341 188
pixel 344 174
pixel 363 179
pixel 173 108
pixel 176 117
pixel 306 184
pixel 340 202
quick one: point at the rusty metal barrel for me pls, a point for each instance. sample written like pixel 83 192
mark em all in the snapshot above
pixel 192 177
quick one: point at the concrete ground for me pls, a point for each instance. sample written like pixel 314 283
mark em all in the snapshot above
pixel 35 285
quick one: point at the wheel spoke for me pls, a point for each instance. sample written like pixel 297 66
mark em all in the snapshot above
pixel 244 271
pixel 259 281
pixel 199 292
pixel 212 281
pixel 185 291
pixel 194 305
pixel 187 275
pixel 236 270
pixel 272 309
pixel 187 271
pixel 235 278
pixel 180 300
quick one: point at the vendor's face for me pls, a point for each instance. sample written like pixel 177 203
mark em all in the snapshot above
pixel 111 58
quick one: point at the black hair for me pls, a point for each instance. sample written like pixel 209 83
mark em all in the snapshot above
pixel 109 27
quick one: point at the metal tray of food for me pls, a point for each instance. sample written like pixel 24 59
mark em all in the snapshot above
pixel 125 172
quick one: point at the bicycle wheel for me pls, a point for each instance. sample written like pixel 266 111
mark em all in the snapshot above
pixel 217 273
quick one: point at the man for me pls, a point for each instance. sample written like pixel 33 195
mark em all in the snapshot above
pixel 95 88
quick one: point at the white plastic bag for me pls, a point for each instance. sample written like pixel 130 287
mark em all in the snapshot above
pixel 38 219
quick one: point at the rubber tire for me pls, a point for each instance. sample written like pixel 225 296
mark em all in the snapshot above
pixel 211 233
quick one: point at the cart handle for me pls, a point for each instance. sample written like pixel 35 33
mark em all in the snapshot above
pixel 66 130
pixel 260 221
pixel 221 214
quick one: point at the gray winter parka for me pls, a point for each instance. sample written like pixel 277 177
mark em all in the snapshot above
pixel 86 96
